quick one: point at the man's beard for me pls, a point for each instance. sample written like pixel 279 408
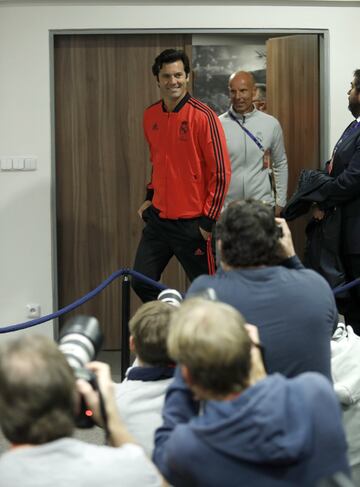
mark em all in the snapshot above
pixel 354 107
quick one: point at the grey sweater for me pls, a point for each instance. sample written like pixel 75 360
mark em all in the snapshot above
pixel 250 179
pixel 69 462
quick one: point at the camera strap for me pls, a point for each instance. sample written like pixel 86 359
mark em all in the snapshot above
pixel 104 417
pixel 247 131
pixel 266 152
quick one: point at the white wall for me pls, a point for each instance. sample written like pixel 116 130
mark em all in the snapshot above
pixel 25 213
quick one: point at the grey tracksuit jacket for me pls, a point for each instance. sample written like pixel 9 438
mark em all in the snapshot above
pixel 250 179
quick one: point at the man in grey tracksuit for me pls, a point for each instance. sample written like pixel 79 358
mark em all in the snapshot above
pixel 256 147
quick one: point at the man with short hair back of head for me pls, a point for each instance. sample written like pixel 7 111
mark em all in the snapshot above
pixel 226 424
pixel 140 397
pixel 38 403
pixel 261 276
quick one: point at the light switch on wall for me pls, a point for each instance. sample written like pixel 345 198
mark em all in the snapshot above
pixel 19 163
pixel 6 164
pixel 30 164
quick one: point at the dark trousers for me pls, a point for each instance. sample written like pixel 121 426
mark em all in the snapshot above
pixel 161 239
pixel 351 309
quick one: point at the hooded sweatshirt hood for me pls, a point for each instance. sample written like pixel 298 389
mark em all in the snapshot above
pixel 251 429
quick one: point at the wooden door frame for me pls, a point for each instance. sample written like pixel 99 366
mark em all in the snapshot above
pixel 324 110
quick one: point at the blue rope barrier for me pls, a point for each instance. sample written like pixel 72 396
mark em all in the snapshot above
pixel 84 299
pixel 347 286
pixel 146 279
pixel 104 284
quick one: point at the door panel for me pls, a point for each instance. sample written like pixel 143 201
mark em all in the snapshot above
pixel 293 98
pixel 103 83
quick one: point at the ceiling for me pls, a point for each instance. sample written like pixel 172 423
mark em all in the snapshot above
pixel 104 3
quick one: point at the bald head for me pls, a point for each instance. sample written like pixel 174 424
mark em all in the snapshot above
pixel 242 91
pixel 244 76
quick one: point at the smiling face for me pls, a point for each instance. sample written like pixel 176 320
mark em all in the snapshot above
pixel 354 100
pixel 242 91
pixel 172 81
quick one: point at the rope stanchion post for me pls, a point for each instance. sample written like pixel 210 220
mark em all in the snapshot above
pixel 125 317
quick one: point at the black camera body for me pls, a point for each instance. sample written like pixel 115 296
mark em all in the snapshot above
pixel 80 341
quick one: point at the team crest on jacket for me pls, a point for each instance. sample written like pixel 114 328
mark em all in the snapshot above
pixel 184 130
pixel 155 126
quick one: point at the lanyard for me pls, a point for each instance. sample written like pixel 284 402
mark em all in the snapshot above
pixel 247 131
pixel 353 126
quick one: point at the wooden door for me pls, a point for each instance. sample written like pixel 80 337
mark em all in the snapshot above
pixel 103 83
pixel 293 79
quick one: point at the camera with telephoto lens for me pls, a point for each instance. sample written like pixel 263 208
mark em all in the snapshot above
pixel 80 341
pixel 171 296
pixel 174 297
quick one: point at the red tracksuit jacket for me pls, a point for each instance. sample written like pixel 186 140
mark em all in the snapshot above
pixel 190 162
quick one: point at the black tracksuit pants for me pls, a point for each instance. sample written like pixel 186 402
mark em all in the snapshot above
pixel 163 238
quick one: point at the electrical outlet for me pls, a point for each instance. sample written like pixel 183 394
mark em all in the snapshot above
pixel 33 311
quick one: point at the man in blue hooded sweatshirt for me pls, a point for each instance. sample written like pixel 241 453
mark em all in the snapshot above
pixel 225 423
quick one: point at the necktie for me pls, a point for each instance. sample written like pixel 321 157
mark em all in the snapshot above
pixel 345 134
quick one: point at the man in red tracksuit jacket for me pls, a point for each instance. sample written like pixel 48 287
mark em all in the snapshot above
pixel 190 178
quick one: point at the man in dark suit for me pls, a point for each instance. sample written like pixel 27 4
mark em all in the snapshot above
pixel 344 191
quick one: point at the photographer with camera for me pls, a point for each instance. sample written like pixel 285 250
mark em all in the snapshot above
pixel 39 401
pixel 226 423
pixel 261 276
pixel 140 397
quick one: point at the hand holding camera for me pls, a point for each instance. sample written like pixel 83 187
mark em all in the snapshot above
pixel 99 400
pixel 286 244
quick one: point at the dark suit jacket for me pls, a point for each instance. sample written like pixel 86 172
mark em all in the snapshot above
pixel 324 238
pixel 344 190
